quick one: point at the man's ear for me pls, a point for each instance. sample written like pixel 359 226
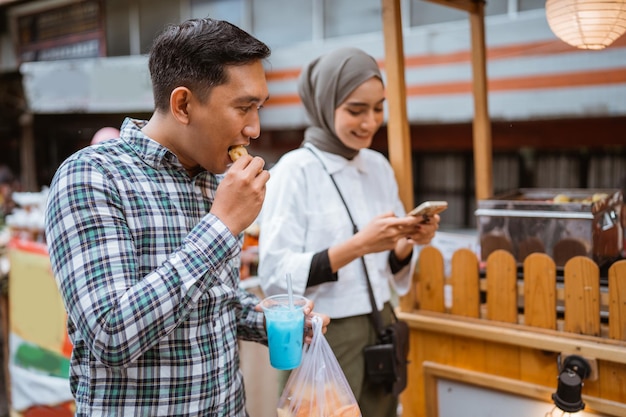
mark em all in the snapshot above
pixel 180 101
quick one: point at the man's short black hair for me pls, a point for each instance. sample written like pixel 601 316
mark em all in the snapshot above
pixel 194 53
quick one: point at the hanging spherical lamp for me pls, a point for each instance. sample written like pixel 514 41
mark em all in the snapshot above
pixel 587 24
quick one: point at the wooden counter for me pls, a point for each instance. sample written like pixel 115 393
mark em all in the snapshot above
pixel 470 329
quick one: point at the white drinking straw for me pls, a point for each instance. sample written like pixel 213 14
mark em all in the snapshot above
pixel 290 291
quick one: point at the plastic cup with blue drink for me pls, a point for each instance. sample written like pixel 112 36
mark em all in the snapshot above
pixel 284 321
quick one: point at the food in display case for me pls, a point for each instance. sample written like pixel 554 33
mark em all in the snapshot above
pixel 562 223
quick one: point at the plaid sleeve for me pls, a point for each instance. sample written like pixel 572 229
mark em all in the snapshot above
pixel 119 309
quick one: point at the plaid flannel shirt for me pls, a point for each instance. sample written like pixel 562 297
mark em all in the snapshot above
pixel 150 283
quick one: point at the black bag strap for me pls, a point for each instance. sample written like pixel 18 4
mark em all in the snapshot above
pixel 377 320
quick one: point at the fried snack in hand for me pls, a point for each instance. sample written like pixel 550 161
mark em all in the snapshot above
pixel 237 152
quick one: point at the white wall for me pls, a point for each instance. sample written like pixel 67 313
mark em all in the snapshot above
pixel 532 74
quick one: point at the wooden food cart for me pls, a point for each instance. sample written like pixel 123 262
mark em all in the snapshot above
pixel 505 333
pixel 499 331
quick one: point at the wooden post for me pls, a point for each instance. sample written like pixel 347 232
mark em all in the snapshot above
pixel 399 139
pixel 398 128
pixel 27 153
pixel 483 172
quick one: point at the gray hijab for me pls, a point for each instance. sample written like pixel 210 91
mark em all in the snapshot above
pixel 323 85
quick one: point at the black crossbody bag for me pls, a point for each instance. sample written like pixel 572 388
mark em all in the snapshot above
pixel 386 361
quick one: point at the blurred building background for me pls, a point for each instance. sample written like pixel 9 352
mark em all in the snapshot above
pixel 68 68
pixel 558 114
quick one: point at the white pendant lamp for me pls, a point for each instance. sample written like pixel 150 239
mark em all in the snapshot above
pixel 587 24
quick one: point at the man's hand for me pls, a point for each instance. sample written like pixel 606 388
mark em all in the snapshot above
pixel 308 325
pixel 240 195
pixel 308 316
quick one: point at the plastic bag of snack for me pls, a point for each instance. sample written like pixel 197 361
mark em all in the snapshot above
pixel 318 387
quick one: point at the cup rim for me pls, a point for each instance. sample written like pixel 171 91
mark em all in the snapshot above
pixel 299 300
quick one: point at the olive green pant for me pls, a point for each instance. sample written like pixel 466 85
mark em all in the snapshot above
pixel 347 337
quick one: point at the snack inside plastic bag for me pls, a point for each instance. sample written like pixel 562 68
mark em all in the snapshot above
pixel 318 388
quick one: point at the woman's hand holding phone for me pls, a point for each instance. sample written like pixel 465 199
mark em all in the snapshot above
pixel 427 209
pixel 427 214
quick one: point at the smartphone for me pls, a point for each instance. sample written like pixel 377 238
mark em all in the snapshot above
pixel 429 208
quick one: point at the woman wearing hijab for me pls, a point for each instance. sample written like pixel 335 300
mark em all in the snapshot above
pixel 305 227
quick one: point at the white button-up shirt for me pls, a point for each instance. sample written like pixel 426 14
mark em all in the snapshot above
pixel 303 215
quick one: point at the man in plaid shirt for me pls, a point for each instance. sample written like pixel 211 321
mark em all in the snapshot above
pixel 144 235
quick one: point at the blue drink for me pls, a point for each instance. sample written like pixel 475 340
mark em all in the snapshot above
pixel 285 330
